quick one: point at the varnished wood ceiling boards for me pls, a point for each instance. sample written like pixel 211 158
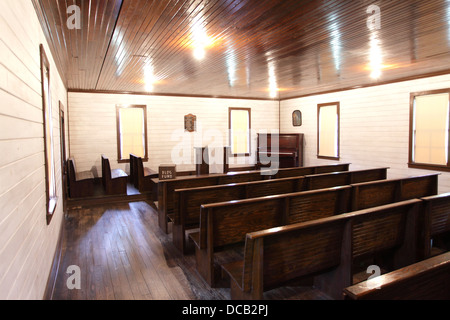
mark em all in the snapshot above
pixel 251 48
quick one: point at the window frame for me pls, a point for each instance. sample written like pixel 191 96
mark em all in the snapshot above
pixel 338 111
pixel 411 163
pixel 249 110
pixel 118 108
pixel 51 200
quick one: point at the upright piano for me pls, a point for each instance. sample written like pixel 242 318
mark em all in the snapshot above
pixel 289 153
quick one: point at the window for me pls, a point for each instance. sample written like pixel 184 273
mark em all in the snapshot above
pixel 240 126
pixel 132 132
pixel 429 130
pixel 50 177
pixel 328 131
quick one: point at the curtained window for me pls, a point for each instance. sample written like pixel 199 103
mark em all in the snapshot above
pixel 132 132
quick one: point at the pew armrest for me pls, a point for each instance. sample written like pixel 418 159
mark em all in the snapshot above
pixel 235 271
pixel 85 175
pixel 195 237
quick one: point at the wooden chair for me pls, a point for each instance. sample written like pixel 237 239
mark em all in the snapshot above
pixel 114 180
pixel 426 280
pixel 325 249
pixel 81 184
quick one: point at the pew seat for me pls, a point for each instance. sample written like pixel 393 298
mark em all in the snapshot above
pixel 81 184
pixel 114 180
pixel 426 280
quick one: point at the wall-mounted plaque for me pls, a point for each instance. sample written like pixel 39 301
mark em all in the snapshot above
pixel 190 123
pixel 297 118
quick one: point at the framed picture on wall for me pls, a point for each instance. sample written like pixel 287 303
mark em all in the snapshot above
pixel 297 118
pixel 190 123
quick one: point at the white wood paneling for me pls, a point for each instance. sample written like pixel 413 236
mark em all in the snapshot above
pixel 374 125
pixel 93 127
pixel 27 244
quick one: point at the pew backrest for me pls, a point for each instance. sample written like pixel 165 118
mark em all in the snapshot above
pixel 372 194
pixel 229 222
pixel 425 280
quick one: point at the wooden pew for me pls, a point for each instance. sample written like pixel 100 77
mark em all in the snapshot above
pixel 187 202
pixel 226 224
pixel 166 188
pixel 296 207
pixel 81 184
pixel 141 176
pixel 371 194
pixel 324 249
pixel 426 280
pixel 114 180
pixel 435 233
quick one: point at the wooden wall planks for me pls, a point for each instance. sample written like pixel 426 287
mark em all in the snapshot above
pixel 93 127
pixel 374 125
pixel 27 244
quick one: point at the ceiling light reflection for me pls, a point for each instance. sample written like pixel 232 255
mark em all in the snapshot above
pixel 376 56
pixel 231 65
pixel 273 86
pixel 448 19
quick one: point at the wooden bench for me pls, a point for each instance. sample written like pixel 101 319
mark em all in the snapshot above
pixel 371 194
pixel 114 180
pixel 166 188
pixel 81 184
pixel 295 207
pixel 426 280
pixel 325 249
pixel 140 175
pixel 436 225
pixel 187 202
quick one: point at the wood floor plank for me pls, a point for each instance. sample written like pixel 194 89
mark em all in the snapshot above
pixel 123 255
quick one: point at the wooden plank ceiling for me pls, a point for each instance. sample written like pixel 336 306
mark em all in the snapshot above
pixel 265 49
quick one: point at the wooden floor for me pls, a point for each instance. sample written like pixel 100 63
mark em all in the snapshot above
pixel 123 255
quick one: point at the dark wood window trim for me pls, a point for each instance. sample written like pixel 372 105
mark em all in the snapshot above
pixel 338 105
pixel 118 107
pixel 249 131
pixel 411 163
pixel 51 200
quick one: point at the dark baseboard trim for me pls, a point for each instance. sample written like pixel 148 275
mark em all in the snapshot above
pixel 51 281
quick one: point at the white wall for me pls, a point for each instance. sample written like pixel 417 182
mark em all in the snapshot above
pixel 92 123
pixel 374 125
pixel 27 244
